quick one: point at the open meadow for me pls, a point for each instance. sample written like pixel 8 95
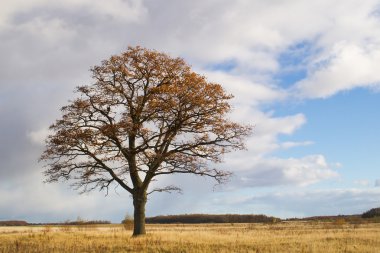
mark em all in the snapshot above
pixel 277 237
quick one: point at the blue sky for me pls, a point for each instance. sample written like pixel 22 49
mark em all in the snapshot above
pixel 345 128
pixel 306 74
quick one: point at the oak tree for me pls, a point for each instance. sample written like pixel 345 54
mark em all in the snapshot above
pixel 146 114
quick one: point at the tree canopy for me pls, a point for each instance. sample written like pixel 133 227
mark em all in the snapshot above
pixel 146 114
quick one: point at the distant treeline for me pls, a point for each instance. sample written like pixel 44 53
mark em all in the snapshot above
pixel 24 223
pixel 327 218
pixel 91 222
pixel 80 222
pixel 372 215
pixel 374 212
pixel 211 218
pixel 13 223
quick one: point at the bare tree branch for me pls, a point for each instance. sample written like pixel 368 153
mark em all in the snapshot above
pixel 168 189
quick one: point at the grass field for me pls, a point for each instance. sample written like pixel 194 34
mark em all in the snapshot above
pixel 278 237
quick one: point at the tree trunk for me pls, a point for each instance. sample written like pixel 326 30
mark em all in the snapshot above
pixel 139 201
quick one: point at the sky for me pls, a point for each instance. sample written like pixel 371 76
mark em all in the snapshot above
pixel 305 74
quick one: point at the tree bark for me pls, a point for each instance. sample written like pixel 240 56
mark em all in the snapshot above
pixel 139 202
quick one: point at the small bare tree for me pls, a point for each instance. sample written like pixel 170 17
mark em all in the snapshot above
pixel 145 115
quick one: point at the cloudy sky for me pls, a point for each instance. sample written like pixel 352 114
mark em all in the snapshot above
pixel 306 74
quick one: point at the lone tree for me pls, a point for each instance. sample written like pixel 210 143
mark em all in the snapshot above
pixel 145 115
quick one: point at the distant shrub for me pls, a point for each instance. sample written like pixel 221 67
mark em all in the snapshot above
pixel 127 222
pixel 340 222
pixel 374 212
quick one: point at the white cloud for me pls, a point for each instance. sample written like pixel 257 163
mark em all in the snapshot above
pixel 38 137
pixel 123 10
pixel 347 66
pixel 280 125
pixel 246 91
pixel 330 201
pixel 53 30
pixel 37 202
pixel 377 182
pixel 344 39
pixel 8 8
pixel 268 128
pixel 266 131
pixel 55 43
pixel 292 144
pixel 251 33
pixel 273 171
pixel 283 202
pixel 361 182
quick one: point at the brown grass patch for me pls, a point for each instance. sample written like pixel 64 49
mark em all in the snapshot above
pixel 278 237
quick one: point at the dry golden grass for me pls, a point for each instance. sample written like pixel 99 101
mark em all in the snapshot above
pixel 280 237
